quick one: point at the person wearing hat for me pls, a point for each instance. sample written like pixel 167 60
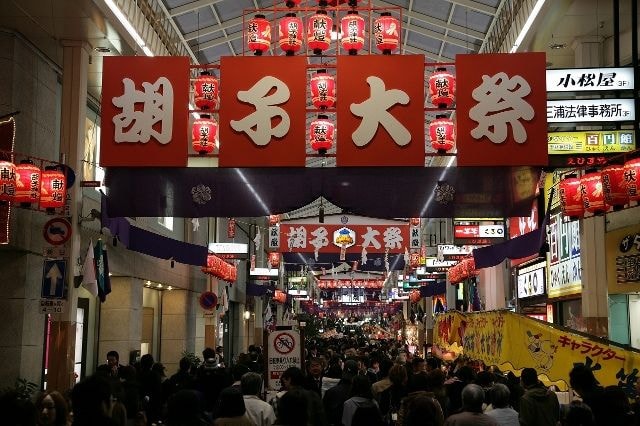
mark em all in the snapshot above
pixel 335 397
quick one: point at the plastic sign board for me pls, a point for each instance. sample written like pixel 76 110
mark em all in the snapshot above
pixel 531 280
pixel 586 110
pixel 53 306
pixel 590 79
pixel 590 142
pixel 565 269
pixel 54 274
pixel 228 248
pixel 283 351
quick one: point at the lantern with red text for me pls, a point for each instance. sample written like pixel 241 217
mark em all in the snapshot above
pixel 592 193
pixel 53 189
pixel 206 91
pixel 386 30
pixel 203 135
pixel 571 198
pixel 290 33
pixel 631 174
pixel 323 90
pixel 7 181
pixel 258 35
pixel 443 134
pixel 274 219
pixel 352 26
pixel 615 190
pixel 274 259
pixel 414 260
pixel 442 88
pixel 319 32
pixel 27 183
pixel 321 134
pixel 279 296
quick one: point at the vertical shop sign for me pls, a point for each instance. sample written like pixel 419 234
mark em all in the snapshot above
pixel 564 275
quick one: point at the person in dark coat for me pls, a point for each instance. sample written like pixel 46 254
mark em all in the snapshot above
pixel 336 396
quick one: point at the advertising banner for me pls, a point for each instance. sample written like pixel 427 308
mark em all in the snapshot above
pixel 513 342
pixel 591 142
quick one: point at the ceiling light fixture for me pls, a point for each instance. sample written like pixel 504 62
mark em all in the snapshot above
pixel 127 26
pixel 527 25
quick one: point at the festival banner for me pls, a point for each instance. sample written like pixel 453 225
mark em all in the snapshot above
pixel 513 342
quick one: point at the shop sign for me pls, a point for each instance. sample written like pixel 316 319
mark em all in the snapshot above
pixel 591 142
pixel 432 264
pixel 228 248
pixel 274 237
pixel 531 280
pixel 53 306
pixel 283 351
pixel 478 231
pixel 521 225
pixel 623 257
pixel 581 110
pixel 579 160
pixel 565 270
pixel 590 79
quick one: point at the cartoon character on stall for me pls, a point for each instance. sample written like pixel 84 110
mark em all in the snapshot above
pixel 542 351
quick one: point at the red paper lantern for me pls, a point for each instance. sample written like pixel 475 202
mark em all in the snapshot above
pixel 352 32
pixel 442 88
pixel 290 33
pixel 443 134
pixel 274 219
pixel 7 181
pixel 258 35
pixel 321 134
pixel 220 269
pixel 319 32
pixel 615 190
pixel 414 221
pixel 53 188
pixel 323 90
pixel 279 296
pixel 414 260
pixel 570 197
pixel 292 3
pixel 206 91
pixel 203 135
pixel 274 259
pixel 631 174
pixel 27 183
pixel 231 228
pixel 414 296
pixel 592 193
pixel 386 32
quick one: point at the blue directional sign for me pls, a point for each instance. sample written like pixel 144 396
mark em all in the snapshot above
pixel 54 275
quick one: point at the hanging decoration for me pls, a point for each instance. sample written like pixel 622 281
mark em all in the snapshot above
pixel 53 189
pixel 292 3
pixel 7 181
pixel 290 34
pixel 631 173
pixel 259 35
pixel 280 297
pixel 274 260
pixel 204 133
pixel 442 88
pixel 386 32
pixel 592 193
pixel 363 256
pixel 570 197
pixel 319 32
pixel 321 134
pixel 414 296
pixel 274 219
pixel 615 190
pixel 27 183
pixel 462 270
pixel 414 260
pixel 443 134
pixel 231 228
pixel 353 32
pixel 220 269
pixel 323 89
pixel 206 94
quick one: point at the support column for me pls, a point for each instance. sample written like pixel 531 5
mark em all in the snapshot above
pixel 60 375
pixel 178 321
pixel 492 282
pixel 595 309
pixel 587 51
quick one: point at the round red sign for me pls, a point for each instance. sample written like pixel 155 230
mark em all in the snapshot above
pixel 284 343
pixel 57 231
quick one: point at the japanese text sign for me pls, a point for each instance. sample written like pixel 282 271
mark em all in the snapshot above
pixel 590 79
pixel 565 270
pixel 144 111
pixel 622 251
pixel 262 114
pixel 500 110
pixel 581 110
pixel 593 141
pixel 381 110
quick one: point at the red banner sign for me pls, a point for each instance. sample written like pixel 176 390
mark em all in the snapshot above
pixel 144 113
pixel 501 109
pixel 302 238
pixel 373 284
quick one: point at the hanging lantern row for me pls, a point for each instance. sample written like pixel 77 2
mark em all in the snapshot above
pixel 370 284
pixel 291 33
pixel 442 132
pixel 220 269
pixel 321 134
pixel 462 270
pixel 595 192
pixel 26 185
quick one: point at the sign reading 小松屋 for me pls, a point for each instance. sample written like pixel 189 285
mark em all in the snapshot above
pixel 590 79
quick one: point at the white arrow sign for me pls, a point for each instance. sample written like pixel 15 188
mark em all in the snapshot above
pixel 53 275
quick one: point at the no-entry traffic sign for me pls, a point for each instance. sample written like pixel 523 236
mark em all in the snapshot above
pixel 57 231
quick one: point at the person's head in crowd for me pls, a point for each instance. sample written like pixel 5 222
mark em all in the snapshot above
pixel 292 377
pixel 418 365
pixel 472 398
pixel 208 353
pixel 334 370
pixel 292 409
pixel 435 379
pixel 238 371
pixel 361 386
pixel 422 411
pixel 230 403
pixel 432 363
pixel 128 373
pixel 402 357
pixel 113 359
pixel 582 380
pixel 500 396
pixel 350 369
pixel 362 363
pixel 496 370
pixel 616 399
pixel 315 367
pixel 418 382
pixel 350 352
pixel 485 379
pixel 251 384
pixel 52 409
pixel 146 362
pixel 244 359
pixel 91 399
pixel 398 375
pixel 17 411
pixel 184 408
pixel 466 374
pixel 529 378
pixel 159 369
pixel 185 364
pixel 577 413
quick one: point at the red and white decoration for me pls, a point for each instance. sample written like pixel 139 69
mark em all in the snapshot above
pixel 442 88
pixel 613 185
pixel 204 134
pixel 353 32
pixel 27 183
pixel 386 33
pixel 442 132
pixel 631 174
pixel 53 188
pixel 464 269
pixel 321 134
pixel 319 32
pixel 258 35
pixel 220 269
pixel 274 260
pixel 571 198
pixel 367 284
pixel 592 193
pixel 290 33
pixel 206 91
pixel 323 90
pixel 7 181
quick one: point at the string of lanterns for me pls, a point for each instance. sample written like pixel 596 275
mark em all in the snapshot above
pixel 221 269
pixel 26 185
pixel 462 270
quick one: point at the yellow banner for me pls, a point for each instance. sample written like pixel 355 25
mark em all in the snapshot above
pixel 593 141
pixel 513 342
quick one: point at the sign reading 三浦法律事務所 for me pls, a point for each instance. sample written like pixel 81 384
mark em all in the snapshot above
pixel 590 79
pixel 586 110
pixel 283 351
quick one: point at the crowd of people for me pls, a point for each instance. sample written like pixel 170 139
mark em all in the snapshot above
pixel 344 383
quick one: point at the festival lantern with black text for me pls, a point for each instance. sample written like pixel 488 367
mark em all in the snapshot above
pixel 323 90
pixel 274 259
pixel 631 174
pixel 258 35
pixel 27 183
pixel 386 30
pixel 290 33
pixel 321 134
pixel 206 91
pixel 592 193
pixel 615 190
pixel 274 219
pixel 319 32
pixel 443 134
pixel 442 88
pixel 7 181
pixel 53 189
pixel 204 132
pixel 570 197
pixel 414 260
pixel 352 26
